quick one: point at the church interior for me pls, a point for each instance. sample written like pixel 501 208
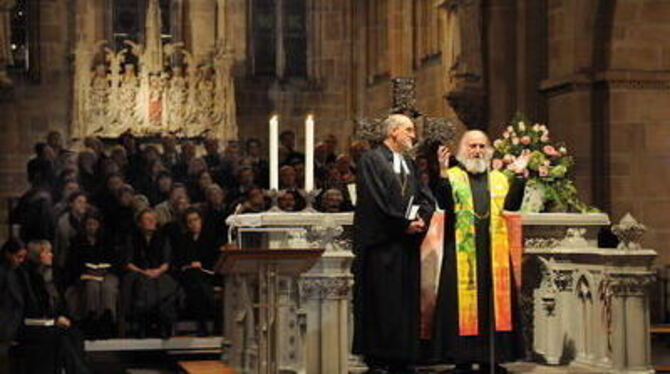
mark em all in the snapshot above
pixel 244 120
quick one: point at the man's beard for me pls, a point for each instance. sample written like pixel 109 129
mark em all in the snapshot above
pixel 475 165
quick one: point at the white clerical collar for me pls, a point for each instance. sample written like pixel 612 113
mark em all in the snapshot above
pixel 399 164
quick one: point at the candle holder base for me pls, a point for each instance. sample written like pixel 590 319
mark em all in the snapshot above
pixel 274 206
pixel 310 199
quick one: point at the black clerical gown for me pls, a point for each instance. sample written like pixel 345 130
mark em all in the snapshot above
pixel 387 262
pixel 449 345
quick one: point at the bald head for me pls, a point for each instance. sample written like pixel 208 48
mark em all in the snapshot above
pixel 474 151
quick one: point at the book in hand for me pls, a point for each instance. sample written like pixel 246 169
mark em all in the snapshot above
pixel 412 211
pixel 97 278
pixel 39 322
pixel 100 266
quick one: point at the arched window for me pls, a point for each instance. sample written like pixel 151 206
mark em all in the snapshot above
pixel 279 38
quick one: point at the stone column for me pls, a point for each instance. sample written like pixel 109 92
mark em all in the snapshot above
pixel 326 295
pixel 630 321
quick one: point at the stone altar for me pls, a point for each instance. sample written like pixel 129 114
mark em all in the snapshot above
pixel 583 306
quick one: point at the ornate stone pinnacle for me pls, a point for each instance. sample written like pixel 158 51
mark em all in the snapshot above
pixel 629 232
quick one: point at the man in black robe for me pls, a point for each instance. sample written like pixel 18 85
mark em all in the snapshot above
pixel 386 245
pixel 474 158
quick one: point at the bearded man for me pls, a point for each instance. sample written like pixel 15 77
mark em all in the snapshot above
pixel 476 312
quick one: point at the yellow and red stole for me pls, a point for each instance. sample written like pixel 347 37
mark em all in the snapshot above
pixel 466 257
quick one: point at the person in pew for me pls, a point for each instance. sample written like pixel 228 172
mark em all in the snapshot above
pixel 34 211
pixel 121 216
pixel 48 342
pixel 193 264
pixel 167 210
pixel 92 284
pixel 149 293
pixel 215 210
pixel 12 255
pixel 160 191
pixel 287 200
pixel 69 224
pixel 62 206
pixel 197 187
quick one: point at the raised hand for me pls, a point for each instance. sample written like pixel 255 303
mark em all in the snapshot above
pixel 521 162
pixel 443 155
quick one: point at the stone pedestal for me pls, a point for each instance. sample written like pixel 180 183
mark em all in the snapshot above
pixel 590 304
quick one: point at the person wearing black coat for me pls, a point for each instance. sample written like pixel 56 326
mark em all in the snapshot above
pixel 92 284
pixel 193 263
pixel 47 340
pixel 13 254
pixel 386 267
pixel 148 291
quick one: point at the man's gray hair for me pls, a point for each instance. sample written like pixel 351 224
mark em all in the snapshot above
pixel 393 121
pixel 334 191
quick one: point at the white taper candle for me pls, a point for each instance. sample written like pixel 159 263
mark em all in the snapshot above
pixel 274 153
pixel 309 153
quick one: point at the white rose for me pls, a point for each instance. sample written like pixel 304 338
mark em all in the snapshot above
pixel 522 126
pixel 506 135
pixel 497 143
pixel 510 129
pixel 563 150
pixel 515 140
pixel 536 127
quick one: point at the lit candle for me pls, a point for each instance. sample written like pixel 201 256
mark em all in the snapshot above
pixel 309 153
pixel 274 153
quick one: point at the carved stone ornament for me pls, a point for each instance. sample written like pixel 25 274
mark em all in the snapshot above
pixel 324 234
pixel 544 243
pixel 574 238
pixel 629 232
pixel 323 287
pixel 151 88
pixel 627 284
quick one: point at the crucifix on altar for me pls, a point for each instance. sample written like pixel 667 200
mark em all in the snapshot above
pixel 433 130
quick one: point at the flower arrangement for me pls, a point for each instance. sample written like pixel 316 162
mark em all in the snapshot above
pixel 548 167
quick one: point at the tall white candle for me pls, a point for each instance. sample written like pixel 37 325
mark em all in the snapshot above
pixel 309 153
pixel 274 153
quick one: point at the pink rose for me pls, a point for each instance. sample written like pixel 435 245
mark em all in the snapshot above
pixel 508 159
pixel 543 171
pixel 549 150
pixel 497 164
pixel 525 140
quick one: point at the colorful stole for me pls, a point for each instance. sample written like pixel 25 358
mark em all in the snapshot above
pixel 466 256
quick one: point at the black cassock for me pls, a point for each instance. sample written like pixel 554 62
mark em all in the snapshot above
pixel 448 344
pixel 387 262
